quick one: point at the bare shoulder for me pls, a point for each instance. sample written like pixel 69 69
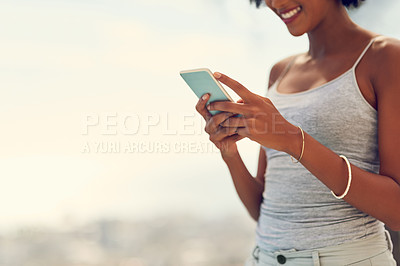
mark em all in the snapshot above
pixel 386 62
pixel 384 44
pixel 278 69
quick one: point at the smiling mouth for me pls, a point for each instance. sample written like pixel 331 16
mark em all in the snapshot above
pixel 291 13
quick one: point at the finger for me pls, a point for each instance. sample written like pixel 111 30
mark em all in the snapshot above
pixel 242 131
pixel 222 133
pixel 221 117
pixel 201 107
pixel 234 122
pixel 226 106
pixel 240 101
pixel 240 90
pixel 215 121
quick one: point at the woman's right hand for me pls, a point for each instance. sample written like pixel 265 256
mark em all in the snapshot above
pixel 223 137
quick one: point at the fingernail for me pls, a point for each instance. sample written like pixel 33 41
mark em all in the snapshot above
pixel 208 107
pixel 204 97
pixel 217 75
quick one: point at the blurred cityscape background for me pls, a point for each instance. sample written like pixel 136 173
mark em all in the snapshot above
pixel 103 159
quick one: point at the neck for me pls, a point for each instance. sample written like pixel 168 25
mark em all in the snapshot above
pixel 332 34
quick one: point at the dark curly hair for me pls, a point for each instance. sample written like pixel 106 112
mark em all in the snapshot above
pixel 346 3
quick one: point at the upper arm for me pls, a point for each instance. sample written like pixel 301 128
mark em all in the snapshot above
pixel 274 74
pixel 386 83
pixel 262 166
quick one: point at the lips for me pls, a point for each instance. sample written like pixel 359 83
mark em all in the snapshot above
pixel 288 15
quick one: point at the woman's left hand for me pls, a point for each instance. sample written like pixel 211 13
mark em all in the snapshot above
pixel 260 120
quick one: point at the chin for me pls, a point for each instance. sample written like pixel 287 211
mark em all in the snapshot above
pixel 296 33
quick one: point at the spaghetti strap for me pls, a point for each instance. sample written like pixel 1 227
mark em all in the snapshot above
pixel 286 69
pixel 364 51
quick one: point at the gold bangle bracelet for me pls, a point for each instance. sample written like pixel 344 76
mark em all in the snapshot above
pixel 348 180
pixel 302 148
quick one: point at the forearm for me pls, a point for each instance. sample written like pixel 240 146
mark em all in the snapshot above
pixel 377 195
pixel 249 190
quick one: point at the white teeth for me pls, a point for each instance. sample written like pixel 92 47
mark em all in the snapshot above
pixel 291 13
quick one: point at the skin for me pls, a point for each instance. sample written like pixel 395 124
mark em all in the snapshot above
pixel 335 43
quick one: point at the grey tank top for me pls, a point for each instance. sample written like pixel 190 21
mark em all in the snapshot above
pixel 298 211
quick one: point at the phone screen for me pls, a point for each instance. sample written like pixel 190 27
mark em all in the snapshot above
pixel 201 81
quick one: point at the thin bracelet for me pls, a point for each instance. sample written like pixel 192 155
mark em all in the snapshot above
pixel 348 181
pixel 302 148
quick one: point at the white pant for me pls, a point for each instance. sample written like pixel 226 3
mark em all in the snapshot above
pixel 370 251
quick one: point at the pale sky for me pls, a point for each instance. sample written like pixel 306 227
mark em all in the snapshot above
pixel 86 85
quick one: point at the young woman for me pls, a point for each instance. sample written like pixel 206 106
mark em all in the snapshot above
pixel 329 129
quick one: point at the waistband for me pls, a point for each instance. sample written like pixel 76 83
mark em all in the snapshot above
pixel 345 253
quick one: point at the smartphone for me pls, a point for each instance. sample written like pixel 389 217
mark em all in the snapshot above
pixel 202 81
